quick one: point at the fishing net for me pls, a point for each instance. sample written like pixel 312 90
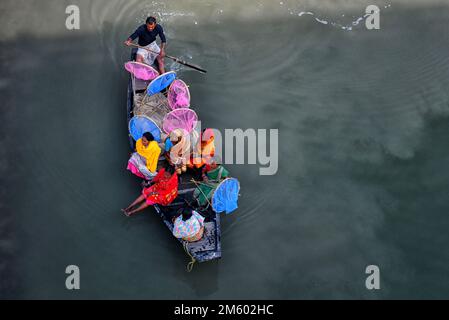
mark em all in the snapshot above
pixel 222 196
pixel 161 82
pixel 178 95
pixel 184 118
pixel 139 125
pixel 154 107
pixel 226 195
pixel 204 192
pixel 218 173
pixel 141 71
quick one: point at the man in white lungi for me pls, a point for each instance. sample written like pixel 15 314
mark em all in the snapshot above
pixel 147 34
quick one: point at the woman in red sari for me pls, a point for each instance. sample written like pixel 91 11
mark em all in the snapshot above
pixel 164 191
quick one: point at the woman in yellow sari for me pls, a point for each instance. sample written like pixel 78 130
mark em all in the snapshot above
pixel 143 163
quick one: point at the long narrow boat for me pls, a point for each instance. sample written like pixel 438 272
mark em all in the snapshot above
pixel 209 248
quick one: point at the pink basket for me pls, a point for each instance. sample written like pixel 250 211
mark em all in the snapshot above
pixel 183 118
pixel 178 95
pixel 141 71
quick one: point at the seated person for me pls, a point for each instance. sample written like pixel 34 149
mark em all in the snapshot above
pixel 143 163
pixel 189 226
pixel 214 171
pixel 178 151
pixel 168 145
pixel 164 191
pixel 204 149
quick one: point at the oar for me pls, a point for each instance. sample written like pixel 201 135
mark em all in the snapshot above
pixel 197 68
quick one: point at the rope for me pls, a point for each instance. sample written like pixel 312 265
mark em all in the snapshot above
pixel 193 261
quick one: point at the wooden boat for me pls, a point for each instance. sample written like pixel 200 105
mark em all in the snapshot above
pixel 209 247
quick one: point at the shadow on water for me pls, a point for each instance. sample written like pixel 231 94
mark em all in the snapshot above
pixel 415 203
pixel 9 279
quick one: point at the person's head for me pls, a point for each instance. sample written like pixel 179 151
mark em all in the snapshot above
pixel 169 171
pixel 186 214
pixel 151 23
pixel 147 138
pixel 176 136
pixel 213 162
pixel 207 136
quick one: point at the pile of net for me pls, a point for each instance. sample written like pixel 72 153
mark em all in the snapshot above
pixel 154 107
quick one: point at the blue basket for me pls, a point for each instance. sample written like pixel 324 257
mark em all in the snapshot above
pixel 139 125
pixel 161 82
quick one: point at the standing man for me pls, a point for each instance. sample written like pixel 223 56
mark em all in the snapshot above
pixel 147 34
